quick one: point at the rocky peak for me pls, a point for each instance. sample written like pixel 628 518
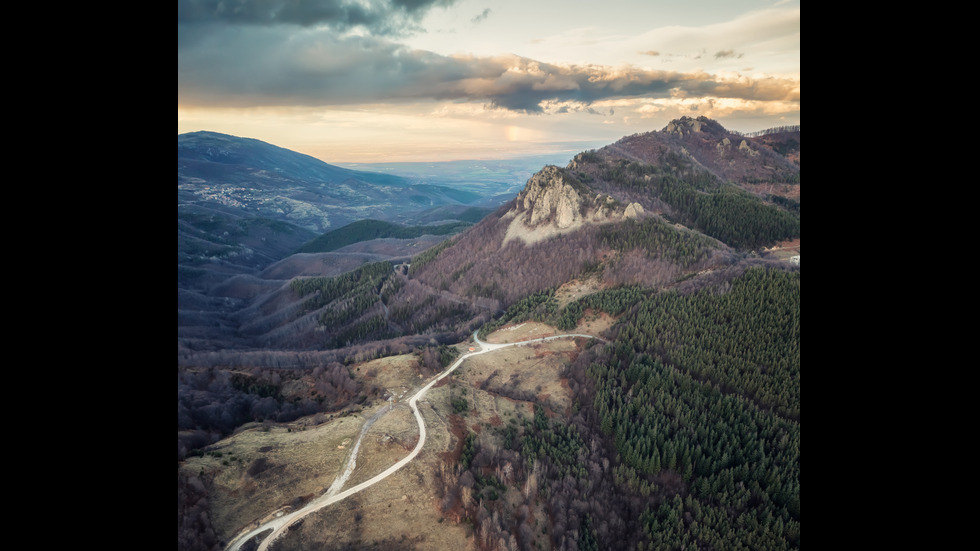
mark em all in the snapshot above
pixel 685 125
pixel 725 144
pixel 554 201
pixel 550 196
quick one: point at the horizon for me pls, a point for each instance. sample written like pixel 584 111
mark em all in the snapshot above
pixel 390 81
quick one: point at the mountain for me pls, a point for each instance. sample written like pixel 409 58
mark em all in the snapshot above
pixel 265 180
pixel 243 204
pixel 650 209
pixel 367 230
pixel 770 158
pixel 677 427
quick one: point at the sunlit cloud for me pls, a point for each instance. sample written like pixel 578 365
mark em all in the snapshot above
pixel 349 67
pixel 315 69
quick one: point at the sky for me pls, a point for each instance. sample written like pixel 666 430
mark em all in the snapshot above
pixel 369 81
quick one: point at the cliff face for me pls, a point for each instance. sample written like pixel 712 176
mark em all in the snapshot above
pixel 553 202
pixel 550 197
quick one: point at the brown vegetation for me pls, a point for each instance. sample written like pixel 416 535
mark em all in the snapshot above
pixel 268 412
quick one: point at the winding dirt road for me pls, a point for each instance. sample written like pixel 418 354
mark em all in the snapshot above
pixel 279 525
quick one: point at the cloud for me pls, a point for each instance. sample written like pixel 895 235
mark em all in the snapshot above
pixel 726 54
pixel 267 66
pixel 330 53
pixel 376 16
pixel 481 17
pixel 767 32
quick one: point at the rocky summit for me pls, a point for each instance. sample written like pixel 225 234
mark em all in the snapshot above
pixel 553 200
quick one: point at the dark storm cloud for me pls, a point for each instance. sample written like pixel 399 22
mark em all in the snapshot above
pixel 378 16
pixel 267 66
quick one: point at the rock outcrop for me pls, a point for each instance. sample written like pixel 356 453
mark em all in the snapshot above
pixel 550 197
pixel 744 147
pixel 684 125
pixel 633 210
pixel 553 201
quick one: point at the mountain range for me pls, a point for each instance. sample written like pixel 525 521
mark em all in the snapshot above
pixel 685 240
pixel 249 212
pixel 243 202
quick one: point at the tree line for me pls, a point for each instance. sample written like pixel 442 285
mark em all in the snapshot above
pixel 659 240
pixel 684 432
pixel 707 386
pixel 695 197
pixel 213 402
pixel 733 216
pixel 350 305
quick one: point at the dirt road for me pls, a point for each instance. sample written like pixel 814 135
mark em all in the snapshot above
pixel 279 525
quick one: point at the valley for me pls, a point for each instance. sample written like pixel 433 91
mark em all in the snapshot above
pixel 671 421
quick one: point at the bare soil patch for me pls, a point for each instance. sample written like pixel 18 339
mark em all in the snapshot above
pixel 398 513
pixel 594 323
pixel 403 510
pixel 261 469
pixel 517 332
pixel 399 376
pixel 576 289
pixel 783 250
pixel 388 440
pixel 523 373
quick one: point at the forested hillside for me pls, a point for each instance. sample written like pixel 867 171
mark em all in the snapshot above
pixel 685 434
pixel 365 230
pixel 683 424
pixel 647 212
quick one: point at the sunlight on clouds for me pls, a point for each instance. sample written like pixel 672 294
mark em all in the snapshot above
pixel 524 134
pixel 771 34
pixel 457 130
pixel 716 108
pixel 479 82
